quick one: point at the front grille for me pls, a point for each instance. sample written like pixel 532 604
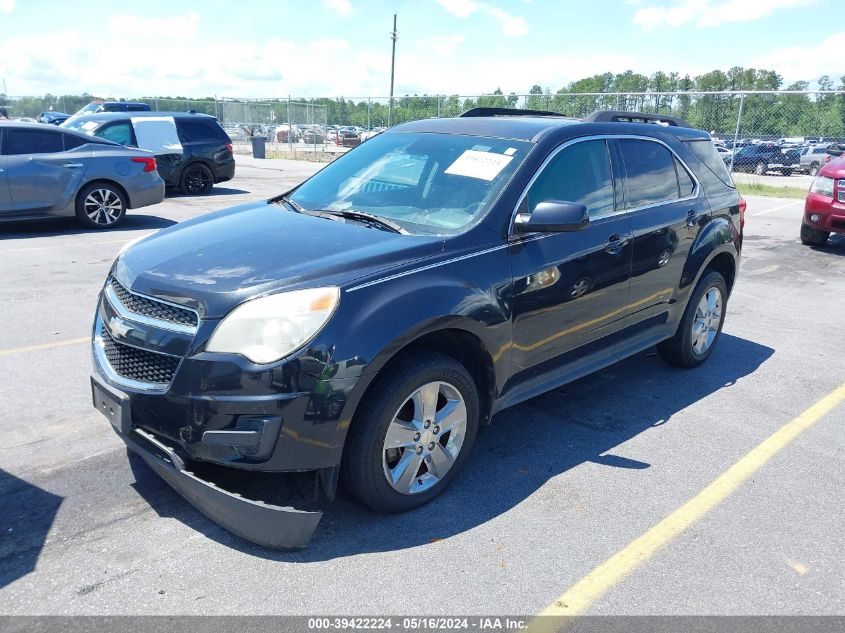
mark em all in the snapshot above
pixel 152 308
pixel 138 364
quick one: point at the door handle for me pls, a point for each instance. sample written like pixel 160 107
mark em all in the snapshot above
pixel 692 218
pixel 615 243
pixel 72 165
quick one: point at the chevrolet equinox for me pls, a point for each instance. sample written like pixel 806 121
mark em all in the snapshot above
pixel 365 324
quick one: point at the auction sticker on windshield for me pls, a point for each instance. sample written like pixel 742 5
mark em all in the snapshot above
pixel 481 165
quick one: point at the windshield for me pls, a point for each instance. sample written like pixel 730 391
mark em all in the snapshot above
pixel 426 183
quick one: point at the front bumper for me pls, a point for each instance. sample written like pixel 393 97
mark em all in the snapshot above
pixel 268 525
pixel 830 212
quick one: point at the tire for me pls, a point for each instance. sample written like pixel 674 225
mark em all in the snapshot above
pixel 685 349
pixel 368 462
pixel 760 169
pixel 196 180
pixel 814 169
pixel 813 237
pixel 101 205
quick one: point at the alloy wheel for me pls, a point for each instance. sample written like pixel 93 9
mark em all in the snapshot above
pixel 103 207
pixel 424 438
pixel 708 317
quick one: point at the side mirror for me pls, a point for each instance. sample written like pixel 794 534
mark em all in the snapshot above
pixel 553 216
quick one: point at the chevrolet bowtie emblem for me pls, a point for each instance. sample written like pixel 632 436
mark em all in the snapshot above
pixel 118 327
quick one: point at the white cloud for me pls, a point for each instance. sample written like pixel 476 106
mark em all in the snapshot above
pixel 512 25
pixel 180 26
pixel 7 6
pixel 806 62
pixel 341 7
pixel 442 44
pixel 710 13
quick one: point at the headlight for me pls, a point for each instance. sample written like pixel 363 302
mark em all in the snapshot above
pixel 267 329
pixel 822 185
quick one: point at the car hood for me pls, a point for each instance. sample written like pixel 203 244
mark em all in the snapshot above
pixel 216 262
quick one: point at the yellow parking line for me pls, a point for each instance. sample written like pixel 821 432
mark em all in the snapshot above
pixel 584 593
pixel 35 348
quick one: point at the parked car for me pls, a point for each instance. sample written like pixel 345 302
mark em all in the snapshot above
pixel 198 154
pixel 824 208
pixel 313 137
pixel 348 138
pixel 113 106
pixel 763 157
pixel 47 172
pixel 53 118
pixel 366 323
pixel 812 158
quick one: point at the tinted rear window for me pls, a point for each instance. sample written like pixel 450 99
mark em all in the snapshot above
pixel 72 141
pixel 706 153
pixel 650 171
pixel 201 131
pixel 31 142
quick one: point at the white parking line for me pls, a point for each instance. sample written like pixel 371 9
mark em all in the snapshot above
pixel 777 208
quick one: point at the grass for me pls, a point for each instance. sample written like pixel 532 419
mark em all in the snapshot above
pixel 757 189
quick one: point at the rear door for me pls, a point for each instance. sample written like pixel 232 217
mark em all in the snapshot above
pixel 570 289
pixel 5 194
pixel 667 210
pixel 40 174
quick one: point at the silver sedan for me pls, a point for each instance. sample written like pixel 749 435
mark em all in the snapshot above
pixel 47 172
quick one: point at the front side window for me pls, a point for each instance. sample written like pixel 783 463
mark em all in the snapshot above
pixel 650 172
pixel 31 142
pixel 426 183
pixel 118 132
pixel 579 173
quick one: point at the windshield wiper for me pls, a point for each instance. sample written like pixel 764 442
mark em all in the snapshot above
pixel 293 205
pixel 364 218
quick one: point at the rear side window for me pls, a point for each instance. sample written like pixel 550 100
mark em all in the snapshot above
pixel 686 184
pixel 118 132
pixel 579 173
pixel 200 131
pixel 650 171
pixel 706 153
pixel 31 142
pixel 72 141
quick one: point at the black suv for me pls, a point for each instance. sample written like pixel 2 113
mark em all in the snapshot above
pixel 198 156
pixel 762 157
pixel 368 322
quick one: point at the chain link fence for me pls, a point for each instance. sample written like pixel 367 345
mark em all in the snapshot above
pixel 792 118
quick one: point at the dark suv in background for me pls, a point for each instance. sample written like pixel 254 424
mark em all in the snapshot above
pixel 206 155
pixel 365 324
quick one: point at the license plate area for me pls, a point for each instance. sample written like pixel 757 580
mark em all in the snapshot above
pixel 114 406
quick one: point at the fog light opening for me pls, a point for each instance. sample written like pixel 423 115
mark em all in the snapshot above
pixel 814 218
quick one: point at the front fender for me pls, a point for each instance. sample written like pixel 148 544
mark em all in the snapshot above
pixel 387 317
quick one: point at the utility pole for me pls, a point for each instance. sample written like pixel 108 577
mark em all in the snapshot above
pixel 393 36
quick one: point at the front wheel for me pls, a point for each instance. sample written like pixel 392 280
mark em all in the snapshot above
pixel 814 169
pixel 100 205
pixel 701 325
pixel 760 169
pixel 813 237
pixel 413 432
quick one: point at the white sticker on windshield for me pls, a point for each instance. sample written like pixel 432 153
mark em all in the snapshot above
pixel 510 151
pixel 481 165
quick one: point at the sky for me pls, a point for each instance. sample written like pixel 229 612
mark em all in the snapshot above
pixel 335 48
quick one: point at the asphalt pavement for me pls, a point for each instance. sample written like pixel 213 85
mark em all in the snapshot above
pixel 555 487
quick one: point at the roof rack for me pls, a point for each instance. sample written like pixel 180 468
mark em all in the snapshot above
pixel 620 116
pixel 475 112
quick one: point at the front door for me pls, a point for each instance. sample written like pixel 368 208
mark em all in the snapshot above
pixel 40 174
pixel 570 289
